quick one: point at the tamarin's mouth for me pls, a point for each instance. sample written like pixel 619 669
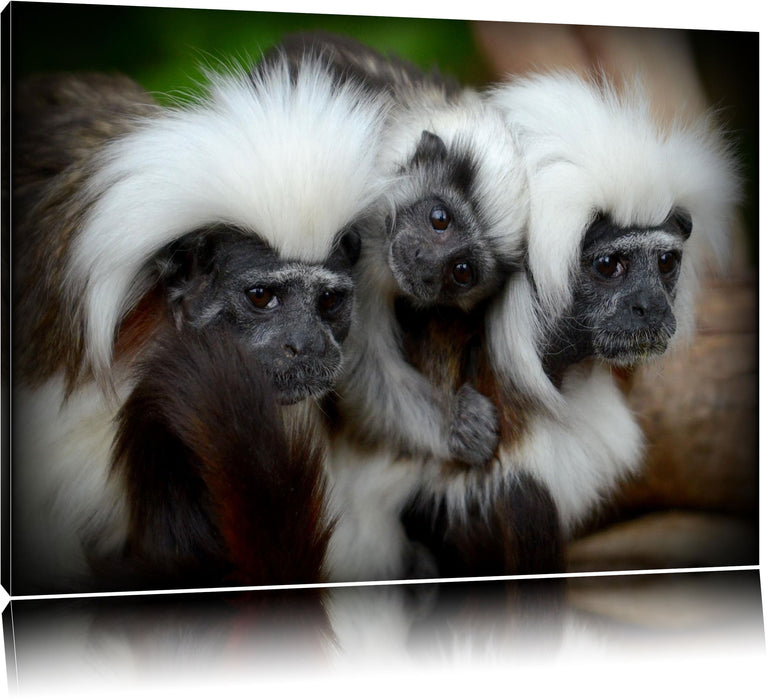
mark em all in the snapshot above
pixel 304 381
pixel 291 395
pixel 628 348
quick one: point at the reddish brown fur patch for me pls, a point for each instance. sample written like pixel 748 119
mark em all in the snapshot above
pixel 140 326
pixel 512 408
pixel 438 342
pixel 624 377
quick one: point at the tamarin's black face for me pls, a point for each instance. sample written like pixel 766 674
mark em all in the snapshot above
pixel 438 250
pixel 293 316
pixel 622 309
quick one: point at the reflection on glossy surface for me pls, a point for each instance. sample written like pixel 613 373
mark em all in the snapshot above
pixel 145 642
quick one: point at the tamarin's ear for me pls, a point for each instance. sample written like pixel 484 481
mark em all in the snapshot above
pixel 184 266
pixel 190 256
pixel 347 251
pixel 683 221
pixel 351 245
pixel 430 147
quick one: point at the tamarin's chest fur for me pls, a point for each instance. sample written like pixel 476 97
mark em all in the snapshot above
pixel 447 345
pixel 517 531
pixel 444 343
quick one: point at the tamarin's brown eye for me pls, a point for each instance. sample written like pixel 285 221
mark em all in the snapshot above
pixel 463 274
pixel 440 218
pixel 330 301
pixel 666 263
pixel 609 266
pixel 262 298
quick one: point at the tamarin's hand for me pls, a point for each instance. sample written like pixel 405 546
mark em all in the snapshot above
pixel 474 430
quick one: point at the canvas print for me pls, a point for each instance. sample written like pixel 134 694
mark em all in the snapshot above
pixel 303 299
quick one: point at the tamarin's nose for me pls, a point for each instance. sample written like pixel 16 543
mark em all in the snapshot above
pixel 304 344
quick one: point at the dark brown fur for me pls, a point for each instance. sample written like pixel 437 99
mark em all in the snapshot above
pixel 60 123
pixel 219 491
pixel 518 533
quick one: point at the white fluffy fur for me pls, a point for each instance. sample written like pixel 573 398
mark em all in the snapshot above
pixel 581 455
pixel 368 490
pixel 289 161
pixel 513 329
pixel 581 451
pixel 590 149
pixel 63 492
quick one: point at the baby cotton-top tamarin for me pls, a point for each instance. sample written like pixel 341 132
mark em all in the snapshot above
pixel 448 233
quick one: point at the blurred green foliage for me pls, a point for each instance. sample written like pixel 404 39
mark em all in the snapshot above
pixel 163 48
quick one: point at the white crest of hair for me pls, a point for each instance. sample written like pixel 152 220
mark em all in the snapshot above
pixel 291 161
pixel 468 124
pixel 513 336
pixel 590 150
